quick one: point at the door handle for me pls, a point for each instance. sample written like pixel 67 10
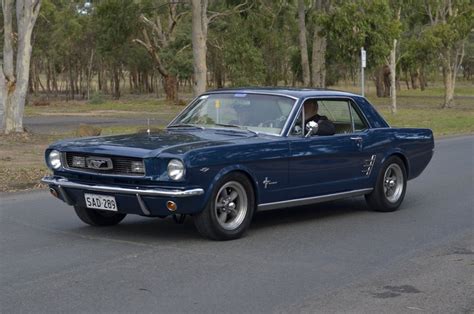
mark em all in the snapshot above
pixel 356 138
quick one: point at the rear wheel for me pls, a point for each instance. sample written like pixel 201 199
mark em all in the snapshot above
pixel 390 187
pixel 98 217
pixel 229 211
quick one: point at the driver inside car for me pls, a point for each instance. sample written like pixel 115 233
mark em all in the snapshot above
pixel 325 126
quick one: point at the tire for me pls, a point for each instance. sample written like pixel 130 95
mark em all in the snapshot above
pixel 229 211
pixel 98 217
pixel 390 186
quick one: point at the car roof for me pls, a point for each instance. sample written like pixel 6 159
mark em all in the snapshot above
pixel 288 91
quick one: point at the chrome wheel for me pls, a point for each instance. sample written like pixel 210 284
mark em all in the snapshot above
pixel 393 183
pixel 230 206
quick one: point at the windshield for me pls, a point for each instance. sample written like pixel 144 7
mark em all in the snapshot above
pixel 254 112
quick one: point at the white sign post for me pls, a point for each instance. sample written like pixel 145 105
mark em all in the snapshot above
pixel 363 63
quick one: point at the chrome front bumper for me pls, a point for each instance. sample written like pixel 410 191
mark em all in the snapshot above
pixel 62 182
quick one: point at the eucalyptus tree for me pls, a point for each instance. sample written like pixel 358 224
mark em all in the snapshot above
pixel 200 24
pixel 14 76
pixel 318 57
pixel 392 61
pixel 201 18
pixel 116 23
pixel 303 42
pixel 450 23
pixel 363 23
pixel 159 30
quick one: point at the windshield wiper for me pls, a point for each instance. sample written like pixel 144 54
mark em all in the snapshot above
pixel 185 125
pixel 236 126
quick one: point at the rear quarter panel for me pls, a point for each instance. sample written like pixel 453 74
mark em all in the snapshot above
pixel 414 145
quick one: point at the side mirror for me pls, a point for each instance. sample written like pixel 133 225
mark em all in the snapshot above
pixel 312 128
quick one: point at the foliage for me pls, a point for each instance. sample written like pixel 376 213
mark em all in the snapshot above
pixel 361 23
pixel 97 98
pixel 83 47
pixel 116 22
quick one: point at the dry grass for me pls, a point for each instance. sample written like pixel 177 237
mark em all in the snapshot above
pixel 21 162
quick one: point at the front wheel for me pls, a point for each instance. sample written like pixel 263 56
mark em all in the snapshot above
pixel 390 187
pixel 98 217
pixel 229 211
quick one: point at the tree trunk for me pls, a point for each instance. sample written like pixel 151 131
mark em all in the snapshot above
pixel 423 82
pixel 319 59
pixel 89 75
pixel 452 61
pixel 14 97
pixel 199 41
pixel 449 83
pixel 116 81
pixel 318 64
pixel 2 90
pixel 7 80
pixel 71 81
pixel 170 85
pixel 415 79
pixel 379 81
pixel 393 80
pixel 303 43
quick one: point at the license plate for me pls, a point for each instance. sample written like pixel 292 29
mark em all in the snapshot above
pixel 100 202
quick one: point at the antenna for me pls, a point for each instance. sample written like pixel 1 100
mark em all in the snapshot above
pixel 148 124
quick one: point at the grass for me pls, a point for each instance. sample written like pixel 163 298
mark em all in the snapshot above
pixel 443 122
pixel 118 108
pixel 21 156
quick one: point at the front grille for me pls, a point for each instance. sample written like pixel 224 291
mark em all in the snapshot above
pixel 120 165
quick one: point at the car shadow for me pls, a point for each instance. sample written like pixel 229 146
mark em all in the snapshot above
pixel 303 214
pixel 141 230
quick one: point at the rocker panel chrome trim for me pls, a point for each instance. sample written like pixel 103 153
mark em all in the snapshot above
pixel 65 183
pixel 313 200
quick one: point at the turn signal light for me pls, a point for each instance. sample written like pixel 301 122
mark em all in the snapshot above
pixel 171 206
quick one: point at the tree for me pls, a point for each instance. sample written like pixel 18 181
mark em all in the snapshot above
pixel 450 22
pixel 392 64
pixel 157 39
pixel 303 42
pixel 200 23
pixel 14 77
pixel 318 58
pixel 368 24
pixel 117 24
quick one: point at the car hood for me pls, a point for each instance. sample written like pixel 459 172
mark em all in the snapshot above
pixel 145 145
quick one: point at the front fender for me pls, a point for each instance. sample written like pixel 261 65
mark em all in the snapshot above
pixel 226 170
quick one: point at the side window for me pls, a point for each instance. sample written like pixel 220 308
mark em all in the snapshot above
pixel 359 124
pixel 338 112
pixel 335 110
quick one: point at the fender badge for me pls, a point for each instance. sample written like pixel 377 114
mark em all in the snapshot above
pixel 268 182
pixel 205 169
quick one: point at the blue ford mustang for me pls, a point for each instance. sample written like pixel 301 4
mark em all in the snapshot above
pixel 232 152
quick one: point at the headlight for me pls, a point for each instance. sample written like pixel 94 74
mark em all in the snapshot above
pixel 176 169
pixel 54 159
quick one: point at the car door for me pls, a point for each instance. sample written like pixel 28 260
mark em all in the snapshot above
pixel 329 164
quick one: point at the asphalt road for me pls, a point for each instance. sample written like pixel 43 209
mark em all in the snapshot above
pixel 328 258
